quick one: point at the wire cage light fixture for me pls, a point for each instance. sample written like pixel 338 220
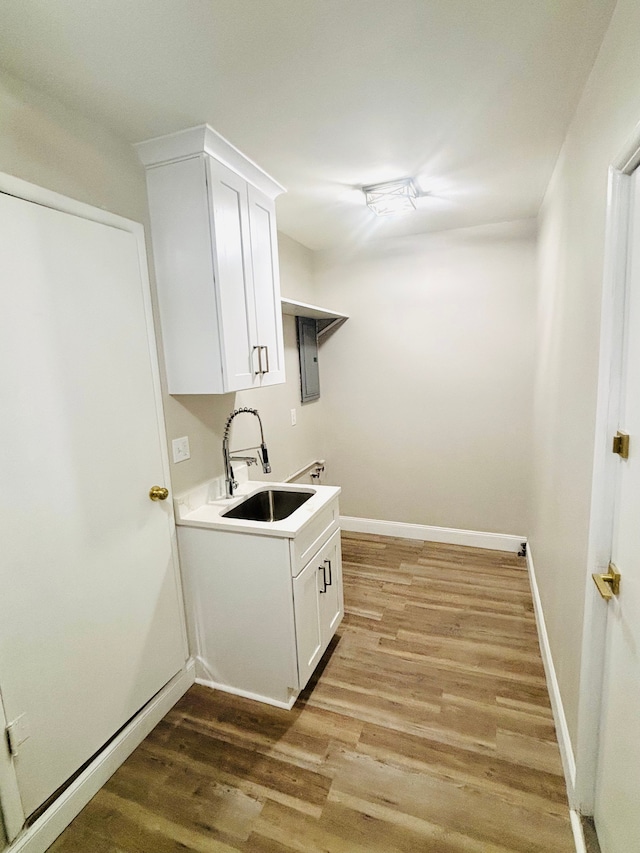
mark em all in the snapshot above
pixel 391 197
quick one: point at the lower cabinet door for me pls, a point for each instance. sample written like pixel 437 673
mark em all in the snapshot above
pixel 318 605
pixel 307 615
pixel 330 592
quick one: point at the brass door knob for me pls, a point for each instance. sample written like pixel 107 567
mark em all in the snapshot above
pixel 158 493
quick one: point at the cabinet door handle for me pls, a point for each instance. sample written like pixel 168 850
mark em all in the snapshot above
pixel 328 563
pixel 266 355
pixel 324 579
pixel 259 370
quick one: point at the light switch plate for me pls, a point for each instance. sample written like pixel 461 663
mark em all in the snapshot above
pixel 294 417
pixel 181 449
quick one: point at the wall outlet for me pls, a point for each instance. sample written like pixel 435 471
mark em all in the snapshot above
pixel 294 417
pixel 181 449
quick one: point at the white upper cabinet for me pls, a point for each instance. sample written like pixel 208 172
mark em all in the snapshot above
pixel 213 231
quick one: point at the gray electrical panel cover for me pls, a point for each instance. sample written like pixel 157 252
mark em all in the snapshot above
pixel 307 329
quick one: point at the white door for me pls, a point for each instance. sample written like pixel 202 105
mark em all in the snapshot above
pixel 90 619
pixel 617 812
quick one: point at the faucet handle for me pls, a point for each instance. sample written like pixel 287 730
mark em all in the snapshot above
pixel 250 460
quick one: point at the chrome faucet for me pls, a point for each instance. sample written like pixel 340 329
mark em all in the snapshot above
pixel 229 481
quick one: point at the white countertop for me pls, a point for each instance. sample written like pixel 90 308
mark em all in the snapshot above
pixel 196 508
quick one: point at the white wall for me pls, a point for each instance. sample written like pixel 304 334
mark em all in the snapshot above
pixel 46 143
pixel 427 388
pixel 572 229
pixel 439 419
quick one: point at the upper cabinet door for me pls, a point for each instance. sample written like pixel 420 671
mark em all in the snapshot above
pixel 213 232
pixel 181 235
pixel 266 280
pixel 233 271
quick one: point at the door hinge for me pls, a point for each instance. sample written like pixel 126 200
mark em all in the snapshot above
pixel 621 444
pixel 17 732
pixel 608 584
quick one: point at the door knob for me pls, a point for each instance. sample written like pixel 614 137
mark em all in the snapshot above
pixel 609 584
pixel 158 493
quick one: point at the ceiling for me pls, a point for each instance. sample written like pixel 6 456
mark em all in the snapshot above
pixel 330 95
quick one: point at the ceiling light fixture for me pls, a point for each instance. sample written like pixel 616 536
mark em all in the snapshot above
pixel 392 197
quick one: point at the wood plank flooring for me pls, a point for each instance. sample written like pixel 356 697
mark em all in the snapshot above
pixel 426 728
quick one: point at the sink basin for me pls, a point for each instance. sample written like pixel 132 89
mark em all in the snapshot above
pixel 269 505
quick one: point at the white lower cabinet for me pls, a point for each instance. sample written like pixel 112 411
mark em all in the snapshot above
pixel 318 606
pixel 260 612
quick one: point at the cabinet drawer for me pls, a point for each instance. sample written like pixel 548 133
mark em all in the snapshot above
pixel 314 535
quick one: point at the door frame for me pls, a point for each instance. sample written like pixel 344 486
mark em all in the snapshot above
pixel 604 468
pixel 74 799
pixel 11 810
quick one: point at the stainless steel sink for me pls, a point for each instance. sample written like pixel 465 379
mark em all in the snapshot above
pixel 269 505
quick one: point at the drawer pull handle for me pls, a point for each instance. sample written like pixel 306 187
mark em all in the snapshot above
pixel 328 563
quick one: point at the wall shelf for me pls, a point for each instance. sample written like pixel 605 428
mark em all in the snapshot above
pixel 327 320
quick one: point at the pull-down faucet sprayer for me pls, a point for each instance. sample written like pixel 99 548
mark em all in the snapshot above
pixel 229 481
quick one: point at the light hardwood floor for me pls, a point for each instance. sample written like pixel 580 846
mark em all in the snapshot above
pixel 426 729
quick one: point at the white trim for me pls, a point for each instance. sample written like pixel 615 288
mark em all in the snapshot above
pixel 628 159
pixel 602 488
pixel 195 141
pixel 578 832
pixel 47 198
pixel 11 812
pixel 152 344
pixel 59 815
pixel 562 729
pixel 592 665
pixel 447 535
pixel 214 685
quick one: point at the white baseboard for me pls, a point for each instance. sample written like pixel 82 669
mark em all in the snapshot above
pixel 214 685
pixel 446 535
pixel 578 834
pixel 562 729
pixel 59 815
